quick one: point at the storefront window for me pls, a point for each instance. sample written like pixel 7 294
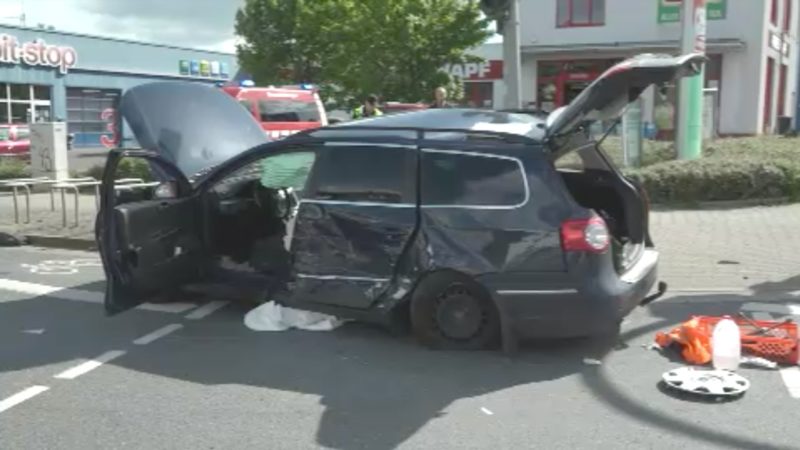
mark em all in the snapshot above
pixel 92 116
pixel 20 92
pixel 479 94
pixel 24 103
pixel 41 92
pixel 20 113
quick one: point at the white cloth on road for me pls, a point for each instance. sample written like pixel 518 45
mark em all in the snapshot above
pixel 273 317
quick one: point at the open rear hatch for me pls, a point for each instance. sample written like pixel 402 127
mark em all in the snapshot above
pixel 591 177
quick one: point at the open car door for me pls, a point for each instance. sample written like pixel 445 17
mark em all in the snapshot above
pixel 151 244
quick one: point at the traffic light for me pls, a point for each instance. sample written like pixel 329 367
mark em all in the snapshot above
pixel 496 10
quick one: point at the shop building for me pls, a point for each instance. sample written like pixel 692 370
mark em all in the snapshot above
pixel 751 75
pixel 482 81
pixel 48 75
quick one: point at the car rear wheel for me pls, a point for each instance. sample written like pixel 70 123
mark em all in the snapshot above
pixel 452 311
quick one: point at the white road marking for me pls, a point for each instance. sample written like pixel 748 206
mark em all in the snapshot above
pixel 20 397
pixel 80 295
pixel 88 366
pixel 175 308
pixel 206 310
pixel 158 334
pixel 34 331
pixel 23 287
pixel 791 378
pixel 486 411
pixel 761 311
pixel 777 308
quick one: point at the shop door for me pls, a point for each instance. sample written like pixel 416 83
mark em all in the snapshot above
pixel 768 95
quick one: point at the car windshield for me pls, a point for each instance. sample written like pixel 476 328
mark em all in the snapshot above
pixel 288 111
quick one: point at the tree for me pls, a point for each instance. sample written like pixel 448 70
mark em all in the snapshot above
pixel 394 48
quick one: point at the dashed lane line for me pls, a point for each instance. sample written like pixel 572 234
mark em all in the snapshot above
pixel 88 366
pixel 206 310
pixel 21 396
pixel 80 295
pixel 158 334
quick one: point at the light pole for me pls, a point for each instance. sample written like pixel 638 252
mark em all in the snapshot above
pixel 511 56
pixel 689 138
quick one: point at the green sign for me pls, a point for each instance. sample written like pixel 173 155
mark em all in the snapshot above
pixel 184 67
pixel 670 10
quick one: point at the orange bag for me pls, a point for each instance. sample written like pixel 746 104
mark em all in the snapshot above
pixel 694 339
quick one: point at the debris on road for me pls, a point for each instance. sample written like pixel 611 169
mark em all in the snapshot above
pixel 592 362
pixel 706 382
pixel 274 317
pixel 774 341
pixel 762 363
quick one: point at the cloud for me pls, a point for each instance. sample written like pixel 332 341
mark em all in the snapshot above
pixel 195 23
pixel 190 23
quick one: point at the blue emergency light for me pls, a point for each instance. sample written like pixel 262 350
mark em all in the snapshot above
pixel 247 83
pixel 307 86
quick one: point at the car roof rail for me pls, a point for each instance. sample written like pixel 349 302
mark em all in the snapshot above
pixel 420 132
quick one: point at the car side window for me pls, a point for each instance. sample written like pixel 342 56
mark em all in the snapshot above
pixel 462 179
pixel 287 170
pixel 284 170
pixel 365 174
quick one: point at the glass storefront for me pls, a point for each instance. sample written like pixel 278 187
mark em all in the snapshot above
pixel 92 116
pixel 24 103
pixel 479 94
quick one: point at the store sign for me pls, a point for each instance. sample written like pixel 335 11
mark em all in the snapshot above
pixel 204 68
pixel 670 10
pixel 487 70
pixel 36 53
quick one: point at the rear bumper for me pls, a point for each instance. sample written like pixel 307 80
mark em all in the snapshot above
pixel 601 299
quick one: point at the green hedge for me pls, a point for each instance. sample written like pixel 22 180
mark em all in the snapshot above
pixel 127 168
pixel 731 169
pixel 13 168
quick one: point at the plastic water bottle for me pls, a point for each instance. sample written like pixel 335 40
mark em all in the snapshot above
pixel 726 345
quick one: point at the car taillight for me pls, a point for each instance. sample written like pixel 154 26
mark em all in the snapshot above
pixel 585 235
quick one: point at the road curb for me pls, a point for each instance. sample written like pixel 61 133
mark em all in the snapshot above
pixel 722 204
pixel 61 242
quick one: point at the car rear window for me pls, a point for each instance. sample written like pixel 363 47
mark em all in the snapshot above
pixel 458 179
pixel 288 111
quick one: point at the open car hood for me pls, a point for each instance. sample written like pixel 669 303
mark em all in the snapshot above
pixel 608 96
pixel 192 125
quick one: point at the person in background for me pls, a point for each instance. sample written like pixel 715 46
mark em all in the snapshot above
pixel 368 109
pixel 440 98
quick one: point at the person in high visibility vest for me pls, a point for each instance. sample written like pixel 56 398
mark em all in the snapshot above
pixel 368 109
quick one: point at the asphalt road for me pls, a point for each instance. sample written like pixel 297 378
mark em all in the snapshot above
pixel 192 376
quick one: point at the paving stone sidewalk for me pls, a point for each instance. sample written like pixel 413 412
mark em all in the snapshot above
pixel 732 249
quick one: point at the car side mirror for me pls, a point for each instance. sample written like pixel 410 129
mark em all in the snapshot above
pixel 166 190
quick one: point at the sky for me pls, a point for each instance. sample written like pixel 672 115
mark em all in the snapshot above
pixel 187 23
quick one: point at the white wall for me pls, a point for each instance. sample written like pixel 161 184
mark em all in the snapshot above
pixel 630 21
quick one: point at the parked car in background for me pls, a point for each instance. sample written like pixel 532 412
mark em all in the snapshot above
pixel 15 140
pixel 281 111
pixel 472 225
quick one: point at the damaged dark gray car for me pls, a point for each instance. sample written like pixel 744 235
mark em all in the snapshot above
pixel 467 224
